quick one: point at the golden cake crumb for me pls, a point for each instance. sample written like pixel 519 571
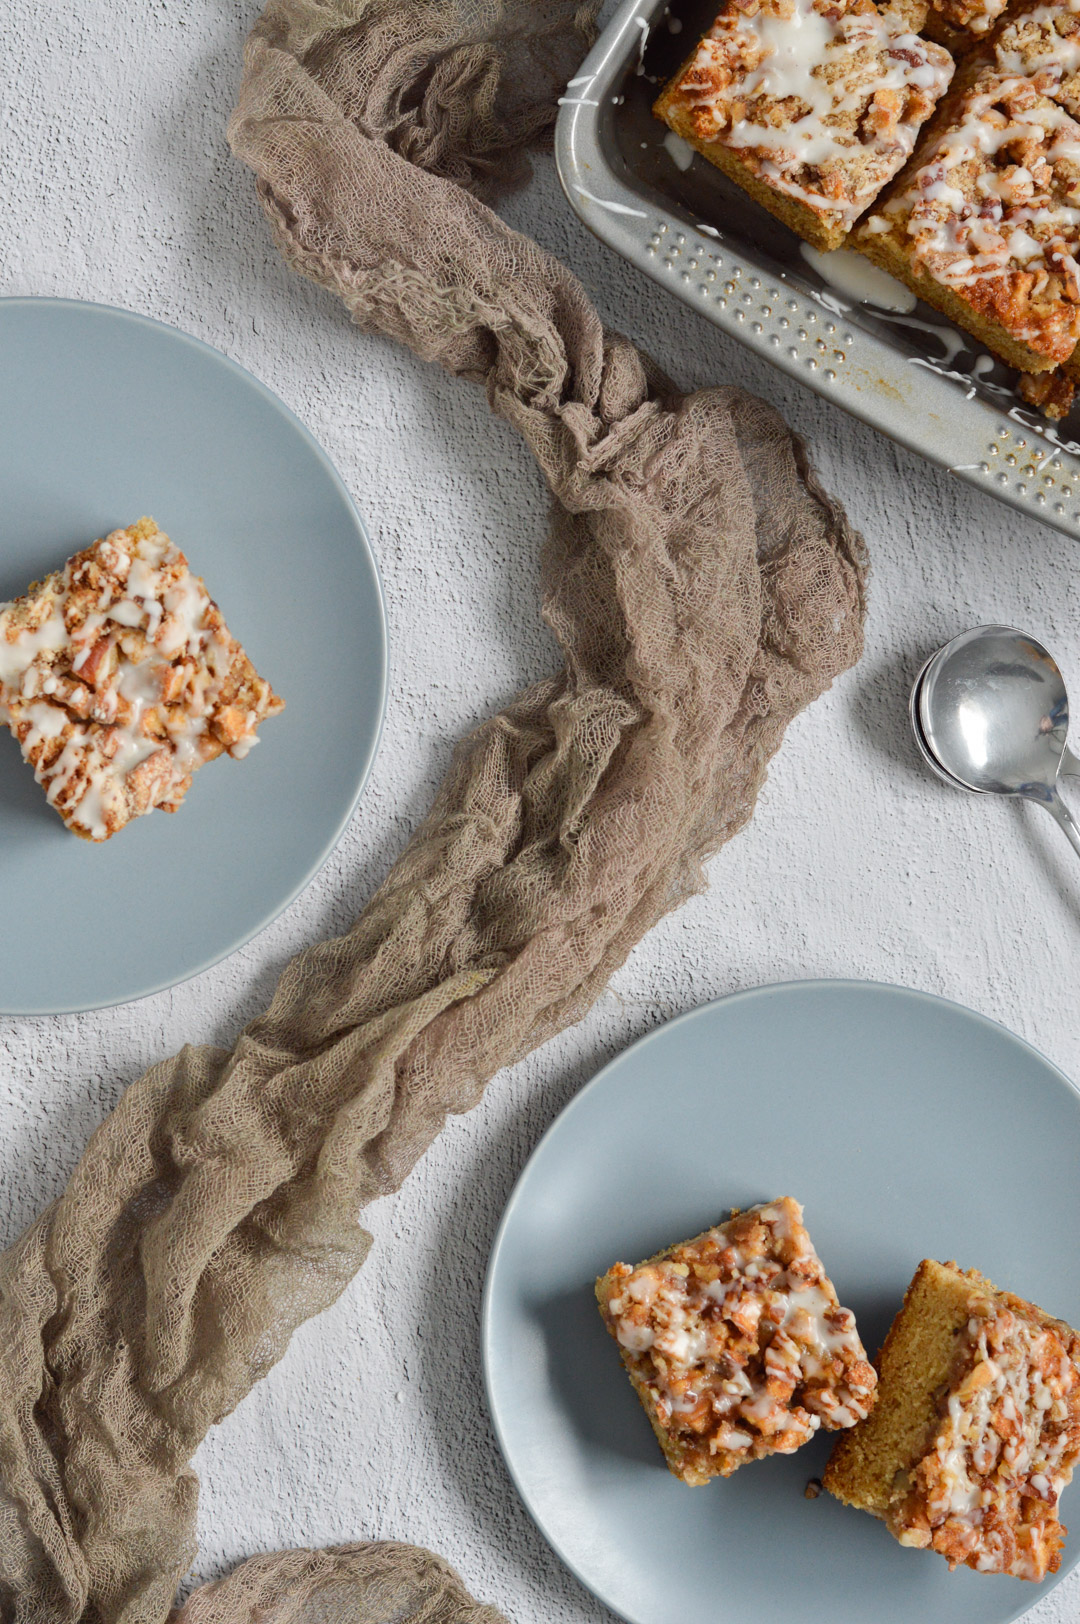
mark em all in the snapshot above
pixel 736 1344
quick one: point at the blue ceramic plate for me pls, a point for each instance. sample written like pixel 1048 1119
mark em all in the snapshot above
pixel 910 1128
pixel 105 416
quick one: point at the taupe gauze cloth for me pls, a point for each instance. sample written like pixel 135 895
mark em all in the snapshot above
pixel 702 589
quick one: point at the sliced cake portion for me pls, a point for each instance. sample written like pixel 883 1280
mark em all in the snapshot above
pixel 119 677
pixel 810 105
pixel 976 1428
pixel 736 1344
pixel 984 223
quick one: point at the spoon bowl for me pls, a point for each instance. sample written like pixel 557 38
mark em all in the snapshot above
pixel 994 713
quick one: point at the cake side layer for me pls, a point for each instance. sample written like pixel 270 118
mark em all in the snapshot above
pixel 820 230
pixel 889 250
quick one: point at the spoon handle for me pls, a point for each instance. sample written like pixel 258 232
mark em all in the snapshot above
pixel 1057 809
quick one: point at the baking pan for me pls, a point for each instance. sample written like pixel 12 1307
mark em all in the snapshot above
pixel 913 375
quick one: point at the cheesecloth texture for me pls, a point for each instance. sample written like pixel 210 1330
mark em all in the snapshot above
pixel 702 589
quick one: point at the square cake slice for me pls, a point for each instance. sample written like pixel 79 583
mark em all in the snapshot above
pixel 962 25
pixel 735 1343
pixel 984 223
pixel 976 1428
pixel 119 677
pixel 810 105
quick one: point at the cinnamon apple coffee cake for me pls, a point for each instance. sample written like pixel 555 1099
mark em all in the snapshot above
pixel 810 105
pixel 735 1343
pixel 976 1428
pixel 119 677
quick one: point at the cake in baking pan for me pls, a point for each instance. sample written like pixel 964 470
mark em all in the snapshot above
pixel 735 1343
pixel 956 170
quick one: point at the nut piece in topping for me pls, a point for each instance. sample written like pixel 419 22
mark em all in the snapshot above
pixel 119 677
pixel 810 105
pixel 735 1343
pixel 976 1429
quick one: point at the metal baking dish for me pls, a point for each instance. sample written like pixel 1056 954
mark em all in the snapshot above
pixel 917 377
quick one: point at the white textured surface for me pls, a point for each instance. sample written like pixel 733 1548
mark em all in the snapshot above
pixel 118 186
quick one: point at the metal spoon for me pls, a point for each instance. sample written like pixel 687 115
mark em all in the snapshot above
pixel 990 713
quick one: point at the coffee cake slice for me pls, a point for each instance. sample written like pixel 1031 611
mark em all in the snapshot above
pixel 984 223
pixel 735 1343
pixel 119 677
pixel 976 1428
pixel 810 105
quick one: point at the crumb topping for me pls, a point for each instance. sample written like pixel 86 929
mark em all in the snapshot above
pixel 740 1340
pixel 985 1493
pixel 822 98
pixel 119 677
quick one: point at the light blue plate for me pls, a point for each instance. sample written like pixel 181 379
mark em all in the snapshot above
pixel 105 416
pixel 910 1128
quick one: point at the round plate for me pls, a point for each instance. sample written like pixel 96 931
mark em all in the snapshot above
pixel 105 416
pixel 909 1128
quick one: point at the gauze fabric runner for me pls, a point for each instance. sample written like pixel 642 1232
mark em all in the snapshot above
pixel 702 589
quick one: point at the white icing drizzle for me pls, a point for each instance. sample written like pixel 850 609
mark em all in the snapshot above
pixel 643 24
pixel 952 342
pixel 612 208
pixel 1032 44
